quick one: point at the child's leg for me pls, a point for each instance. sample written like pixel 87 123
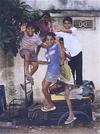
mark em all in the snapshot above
pixel 73 68
pixel 45 86
pixel 71 114
pixel 34 67
pixel 26 62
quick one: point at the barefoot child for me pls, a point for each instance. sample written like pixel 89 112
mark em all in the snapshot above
pixel 28 50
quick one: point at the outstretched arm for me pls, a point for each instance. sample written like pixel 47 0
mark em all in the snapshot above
pixel 43 45
pixel 62 54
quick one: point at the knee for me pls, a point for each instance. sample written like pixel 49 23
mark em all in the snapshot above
pixel 67 96
pixel 43 87
pixel 34 65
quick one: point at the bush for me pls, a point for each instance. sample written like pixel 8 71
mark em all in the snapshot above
pixel 12 14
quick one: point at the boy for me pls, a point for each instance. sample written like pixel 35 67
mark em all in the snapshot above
pixel 55 58
pixel 45 25
pixel 72 44
pixel 74 53
pixel 53 70
pixel 68 86
pixel 28 50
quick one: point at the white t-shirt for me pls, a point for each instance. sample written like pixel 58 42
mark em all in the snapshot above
pixel 71 42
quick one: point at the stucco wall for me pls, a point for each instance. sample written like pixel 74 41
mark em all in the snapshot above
pixel 91 49
pixel 64 4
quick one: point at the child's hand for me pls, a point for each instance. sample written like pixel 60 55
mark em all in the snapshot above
pixel 56 27
pixel 44 45
pixel 63 30
pixel 23 28
pixel 66 30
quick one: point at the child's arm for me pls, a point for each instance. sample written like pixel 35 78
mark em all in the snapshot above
pixel 72 30
pixel 43 45
pixel 62 54
pixel 22 30
pixel 56 27
pixel 68 56
pixel 66 30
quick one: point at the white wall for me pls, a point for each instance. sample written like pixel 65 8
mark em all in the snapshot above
pixel 90 41
pixel 63 4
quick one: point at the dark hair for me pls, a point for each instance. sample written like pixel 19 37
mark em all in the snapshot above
pixel 61 39
pixel 67 19
pixel 31 24
pixel 46 14
pixel 51 34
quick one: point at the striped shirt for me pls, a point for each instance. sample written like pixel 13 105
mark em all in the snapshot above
pixel 30 43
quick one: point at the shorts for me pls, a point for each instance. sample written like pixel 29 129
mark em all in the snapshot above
pixel 51 77
pixel 33 56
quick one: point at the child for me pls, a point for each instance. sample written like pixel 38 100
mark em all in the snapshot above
pixel 72 44
pixel 45 25
pixel 53 70
pixel 68 85
pixel 28 50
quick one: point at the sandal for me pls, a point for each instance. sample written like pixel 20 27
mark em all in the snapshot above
pixel 45 109
pixel 68 121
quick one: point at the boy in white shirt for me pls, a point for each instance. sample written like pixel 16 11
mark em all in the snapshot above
pixel 73 48
pixel 72 45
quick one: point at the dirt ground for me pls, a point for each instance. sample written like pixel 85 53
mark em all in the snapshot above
pixel 93 129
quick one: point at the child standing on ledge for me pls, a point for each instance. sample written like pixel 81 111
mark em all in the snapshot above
pixel 28 50
pixel 53 70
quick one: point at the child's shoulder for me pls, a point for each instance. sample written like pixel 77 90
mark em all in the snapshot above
pixel 73 28
pixel 55 46
pixel 36 36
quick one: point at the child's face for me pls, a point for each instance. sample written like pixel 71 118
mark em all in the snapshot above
pixel 30 31
pixel 50 41
pixel 67 24
pixel 46 18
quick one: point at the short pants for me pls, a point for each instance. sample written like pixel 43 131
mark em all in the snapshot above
pixel 51 77
pixel 33 56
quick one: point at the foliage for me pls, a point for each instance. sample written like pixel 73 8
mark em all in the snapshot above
pixel 12 14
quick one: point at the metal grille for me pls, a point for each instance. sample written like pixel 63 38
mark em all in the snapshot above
pixel 84 23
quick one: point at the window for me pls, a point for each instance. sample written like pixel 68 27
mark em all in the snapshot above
pixel 84 23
